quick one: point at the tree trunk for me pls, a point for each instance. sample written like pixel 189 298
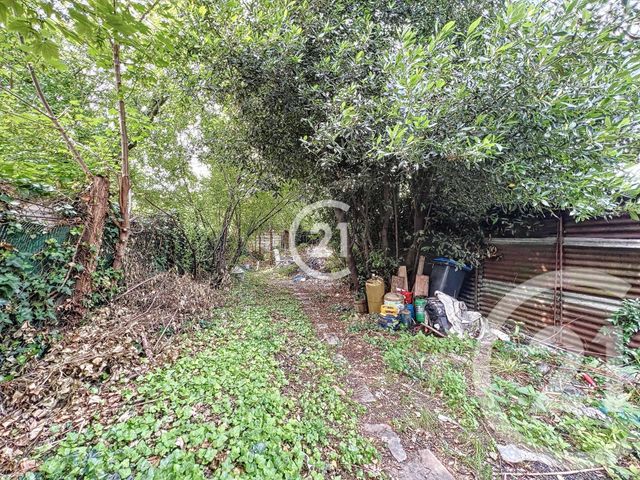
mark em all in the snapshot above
pixel 90 244
pixel 387 211
pixel 419 216
pixel 367 244
pixel 219 261
pixel 124 180
pixel 271 243
pixel 341 217
pixel 125 222
pixel 395 221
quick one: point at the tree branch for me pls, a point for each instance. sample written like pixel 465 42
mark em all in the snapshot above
pixel 67 140
pixel 153 113
pixel 25 102
pixel 148 10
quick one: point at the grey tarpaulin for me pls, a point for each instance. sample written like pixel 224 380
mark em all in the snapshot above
pixel 462 320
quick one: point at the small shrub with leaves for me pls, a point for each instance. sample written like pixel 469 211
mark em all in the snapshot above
pixel 627 320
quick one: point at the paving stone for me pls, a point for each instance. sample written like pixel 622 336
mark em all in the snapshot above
pixel 431 463
pixel 340 359
pixel 384 432
pixel 363 394
pixel 332 339
pixel 589 412
pixel 514 455
pixel 425 466
pixel 445 419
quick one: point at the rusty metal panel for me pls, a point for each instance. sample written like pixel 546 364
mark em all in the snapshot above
pixel 597 266
pixel 594 282
pixel 586 317
pixel 520 262
pixel 469 289
pixel 620 228
pixel 548 228
pixel 533 228
pixel 530 306
pixel 518 285
pixel 591 271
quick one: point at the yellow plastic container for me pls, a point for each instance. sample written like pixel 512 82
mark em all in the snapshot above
pixel 389 310
pixel 375 294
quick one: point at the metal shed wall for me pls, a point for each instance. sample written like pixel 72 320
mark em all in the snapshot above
pixel 567 282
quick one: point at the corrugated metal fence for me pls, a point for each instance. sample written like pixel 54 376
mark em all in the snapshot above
pixel 562 282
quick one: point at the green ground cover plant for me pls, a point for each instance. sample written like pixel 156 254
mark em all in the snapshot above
pixel 521 399
pixel 253 396
pixel 627 319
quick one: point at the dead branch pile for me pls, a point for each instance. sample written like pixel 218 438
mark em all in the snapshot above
pixel 78 376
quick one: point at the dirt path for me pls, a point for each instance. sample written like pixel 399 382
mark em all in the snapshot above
pixel 393 405
pixel 282 382
pixel 411 420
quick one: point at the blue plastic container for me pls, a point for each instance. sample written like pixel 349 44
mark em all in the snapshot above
pixel 447 277
pixel 412 310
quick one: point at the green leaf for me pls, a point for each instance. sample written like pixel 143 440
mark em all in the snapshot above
pixel 474 25
pixel 21 26
pixel 447 27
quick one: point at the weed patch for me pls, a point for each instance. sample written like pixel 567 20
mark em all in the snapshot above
pixel 520 398
pixel 240 405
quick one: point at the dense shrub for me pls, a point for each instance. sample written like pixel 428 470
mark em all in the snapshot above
pixel 627 319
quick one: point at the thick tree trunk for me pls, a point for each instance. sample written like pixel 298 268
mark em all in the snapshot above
pixel 395 224
pixel 90 244
pixel 341 217
pixel 220 249
pixel 367 244
pixel 125 222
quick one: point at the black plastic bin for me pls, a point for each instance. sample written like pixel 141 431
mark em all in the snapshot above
pixel 447 277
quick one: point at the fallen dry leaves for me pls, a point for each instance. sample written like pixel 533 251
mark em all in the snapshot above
pixel 82 376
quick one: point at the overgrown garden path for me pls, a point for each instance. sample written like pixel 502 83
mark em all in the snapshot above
pixel 253 394
pixel 286 382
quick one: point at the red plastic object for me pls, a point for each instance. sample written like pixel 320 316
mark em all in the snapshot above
pixel 408 296
pixel 587 378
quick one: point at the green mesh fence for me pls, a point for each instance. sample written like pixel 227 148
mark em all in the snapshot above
pixel 31 237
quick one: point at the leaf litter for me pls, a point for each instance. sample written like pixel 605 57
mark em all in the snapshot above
pixel 83 374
